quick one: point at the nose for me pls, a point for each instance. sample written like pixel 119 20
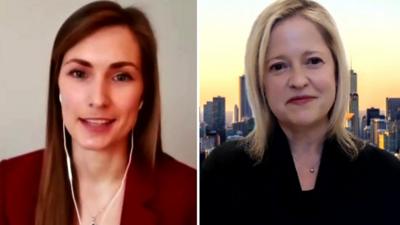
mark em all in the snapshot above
pixel 99 93
pixel 298 79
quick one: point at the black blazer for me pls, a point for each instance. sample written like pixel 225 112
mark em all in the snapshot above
pixel 234 189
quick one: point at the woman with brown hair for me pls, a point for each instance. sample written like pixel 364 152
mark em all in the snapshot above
pixel 103 162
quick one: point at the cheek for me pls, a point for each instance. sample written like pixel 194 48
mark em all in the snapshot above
pixel 72 99
pixel 274 94
pixel 327 84
pixel 129 100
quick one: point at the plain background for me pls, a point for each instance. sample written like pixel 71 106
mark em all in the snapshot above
pixel 27 32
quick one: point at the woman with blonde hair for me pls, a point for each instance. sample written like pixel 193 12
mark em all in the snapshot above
pixel 299 165
pixel 103 162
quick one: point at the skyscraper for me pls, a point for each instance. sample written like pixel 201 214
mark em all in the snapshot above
pixel 392 108
pixel 208 114
pixel 353 81
pixel 236 114
pixel 218 106
pixel 372 113
pixel 363 128
pixel 354 107
pixel 214 117
pixel 393 117
pixel 245 110
pixel 377 126
pixel 393 135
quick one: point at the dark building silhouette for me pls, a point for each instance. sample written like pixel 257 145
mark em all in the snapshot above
pixel 208 114
pixel 392 108
pixel 245 110
pixel 373 113
pixel 354 106
pixel 219 116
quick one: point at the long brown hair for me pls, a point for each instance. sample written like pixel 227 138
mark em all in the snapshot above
pixel 54 200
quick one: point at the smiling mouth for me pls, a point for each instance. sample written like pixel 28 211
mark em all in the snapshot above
pixel 97 124
pixel 96 121
pixel 300 100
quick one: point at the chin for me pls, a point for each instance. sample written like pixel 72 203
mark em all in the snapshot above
pixel 306 121
pixel 93 144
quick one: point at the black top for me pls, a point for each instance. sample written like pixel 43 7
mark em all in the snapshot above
pixel 234 189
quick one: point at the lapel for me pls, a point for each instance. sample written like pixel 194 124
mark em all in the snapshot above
pixel 335 172
pixel 278 163
pixel 139 196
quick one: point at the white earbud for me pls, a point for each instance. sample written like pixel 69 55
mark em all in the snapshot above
pixel 59 98
pixel 69 166
pixel 141 105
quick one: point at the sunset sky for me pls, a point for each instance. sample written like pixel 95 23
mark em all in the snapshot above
pixel 370 31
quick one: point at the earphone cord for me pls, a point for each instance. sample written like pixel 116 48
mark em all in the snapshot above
pixel 69 169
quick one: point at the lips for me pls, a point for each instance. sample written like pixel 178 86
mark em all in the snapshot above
pixel 300 100
pixel 97 124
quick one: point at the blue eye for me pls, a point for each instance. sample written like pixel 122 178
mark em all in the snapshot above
pixel 122 77
pixel 79 74
pixel 277 66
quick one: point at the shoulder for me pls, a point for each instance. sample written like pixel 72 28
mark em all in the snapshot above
pixel 379 165
pixel 379 159
pixel 173 175
pixel 21 166
pixel 232 155
pixel 176 184
pixel 19 179
pixel 168 166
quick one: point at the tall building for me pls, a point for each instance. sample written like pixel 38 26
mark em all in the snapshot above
pixel 354 106
pixel 393 117
pixel 383 138
pixel 218 106
pixel 355 120
pixel 377 126
pixel 371 114
pixel 392 108
pixel 214 117
pixel 245 110
pixel 236 114
pixel 353 81
pixel 208 114
pixel 393 135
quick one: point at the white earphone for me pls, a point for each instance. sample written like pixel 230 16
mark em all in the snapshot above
pixel 141 105
pixel 59 98
pixel 70 178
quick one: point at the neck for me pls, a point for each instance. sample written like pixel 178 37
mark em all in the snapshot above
pixel 306 141
pixel 100 165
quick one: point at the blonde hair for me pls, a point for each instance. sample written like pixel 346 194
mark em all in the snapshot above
pixel 256 51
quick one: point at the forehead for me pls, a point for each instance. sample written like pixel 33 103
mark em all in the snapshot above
pixel 107 44
pixel 294 35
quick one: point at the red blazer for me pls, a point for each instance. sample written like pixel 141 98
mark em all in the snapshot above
pixel 168 199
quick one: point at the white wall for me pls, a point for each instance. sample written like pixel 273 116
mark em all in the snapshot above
pixel 27 32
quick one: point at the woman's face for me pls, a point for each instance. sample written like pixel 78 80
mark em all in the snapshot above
pixel 101 88
pixel 299 80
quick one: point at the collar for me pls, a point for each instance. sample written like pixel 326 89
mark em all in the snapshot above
pixel 278 162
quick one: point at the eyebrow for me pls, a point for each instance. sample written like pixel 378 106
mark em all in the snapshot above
pixel 312 52
pixel 114 65
pixel 283 56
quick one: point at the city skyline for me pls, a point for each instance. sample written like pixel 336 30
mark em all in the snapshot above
pixel 221 54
